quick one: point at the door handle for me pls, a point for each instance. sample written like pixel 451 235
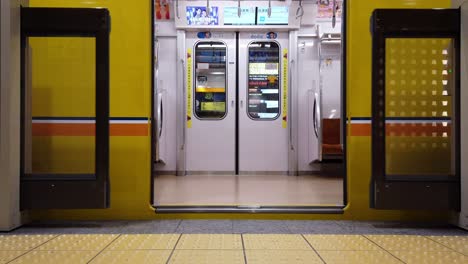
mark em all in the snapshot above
pixel 241 103
pixel 232 103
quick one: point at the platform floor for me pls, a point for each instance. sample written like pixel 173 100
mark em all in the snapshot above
pixel 266 190
pixel 234 241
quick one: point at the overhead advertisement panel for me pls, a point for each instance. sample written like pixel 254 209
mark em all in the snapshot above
pixel 279 16
pixel 198 16
pixel 231 15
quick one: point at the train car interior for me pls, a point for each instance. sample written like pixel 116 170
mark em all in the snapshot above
pixel 249 97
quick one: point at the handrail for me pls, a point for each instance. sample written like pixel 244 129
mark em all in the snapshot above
pixel 289 119
pixel 156 122
pixel 177 9
pixel 300 10
pixel 184 91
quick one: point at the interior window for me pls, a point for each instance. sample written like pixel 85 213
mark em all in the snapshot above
pixel 210 80
pixel 264 80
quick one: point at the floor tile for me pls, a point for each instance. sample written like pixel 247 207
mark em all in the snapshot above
pixel 358 257
pixel 47 257
pixel 340 242
pixel 6 256
pixel 207 256
pixel 205 227
pixel 23 242
pixel 360 227
pixel 151 227
pixel 73 227
pixel 133 257
pixel 210 241
pixel 432 257
pixel 314 227
pixel 282 256
pixel 406 242
pixel 457 243
pixel 260 227
pixel 270 241
pixel 79 242
pixel 144 241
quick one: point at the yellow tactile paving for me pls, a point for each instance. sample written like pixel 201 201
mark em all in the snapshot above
pixel 406 242
pixel 289 242
pixel 282 257
pixel 23 242
pixel 457 243
pixel 340 242
pixel 358 257
pixel 210 241
pixel 132 256
pixel 6 256
pixel 153 241
pixel 432 257
pixel 47 257
pixel 78 242
pixel 207 256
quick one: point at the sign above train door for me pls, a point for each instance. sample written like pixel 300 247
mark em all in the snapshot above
pixel 222 15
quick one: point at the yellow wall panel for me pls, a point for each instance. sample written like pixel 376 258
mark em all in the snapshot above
pixel 63 76
pixel 60 154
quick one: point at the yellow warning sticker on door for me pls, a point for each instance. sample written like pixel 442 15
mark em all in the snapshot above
pixel 285 88
pixel 189 88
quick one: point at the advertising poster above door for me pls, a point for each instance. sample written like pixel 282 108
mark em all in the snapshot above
pixel 325 9
pixel 162 9
pixel 198 15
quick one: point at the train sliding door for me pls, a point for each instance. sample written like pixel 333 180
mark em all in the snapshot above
pixel 211 102
pixel 416 109
pixel 263 78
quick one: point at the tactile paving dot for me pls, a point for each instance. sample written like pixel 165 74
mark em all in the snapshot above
pixel 433 257
pixel 406 242
pixel 457 243
pixel 78 242
pixel 297 242
pixel 132 256
pixel 6 256
pixel 153 241
pixel 207 256
pixel 47 257
pixel 358 257
pixel 340 242
pixel 23 242
pixel 210 241
pixel 282 256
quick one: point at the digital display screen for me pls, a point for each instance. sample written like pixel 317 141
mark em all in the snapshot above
pixel 197 15
pixel 231 16
pixel 279 16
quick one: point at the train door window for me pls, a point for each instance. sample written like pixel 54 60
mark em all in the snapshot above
pixel 65 108
pixel 264 81
pixel 419 106
pixel 210 80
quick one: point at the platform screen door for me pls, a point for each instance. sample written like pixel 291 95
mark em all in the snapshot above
pixel 415 109
pixel 65 108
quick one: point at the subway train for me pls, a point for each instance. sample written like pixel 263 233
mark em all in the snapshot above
pixel 194 109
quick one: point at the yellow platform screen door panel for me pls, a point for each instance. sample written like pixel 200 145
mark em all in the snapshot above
pixel 416 109
pixel 65 108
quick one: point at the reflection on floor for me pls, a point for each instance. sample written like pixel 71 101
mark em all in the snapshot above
pixel 229 241
pixel 248 190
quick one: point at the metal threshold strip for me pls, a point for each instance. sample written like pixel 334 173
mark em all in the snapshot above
pixel 251 209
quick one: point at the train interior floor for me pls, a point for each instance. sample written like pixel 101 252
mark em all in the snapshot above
pixel 283 190
pixel 234 241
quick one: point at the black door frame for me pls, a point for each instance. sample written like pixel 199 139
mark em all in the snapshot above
pixel 70 191
pixel 277 209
